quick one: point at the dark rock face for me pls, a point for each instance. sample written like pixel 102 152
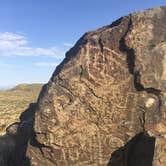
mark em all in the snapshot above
pixel 109 93
pixel 13 145
pixel 106 102
pixel 7 146
pixel 139 151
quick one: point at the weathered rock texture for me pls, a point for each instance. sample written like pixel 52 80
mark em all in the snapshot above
pixel 107 99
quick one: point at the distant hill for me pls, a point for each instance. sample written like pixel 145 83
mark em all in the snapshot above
pixel 15 100
pixel 27 87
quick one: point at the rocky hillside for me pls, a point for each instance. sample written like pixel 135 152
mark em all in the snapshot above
pixel 14 101
pixel 105 104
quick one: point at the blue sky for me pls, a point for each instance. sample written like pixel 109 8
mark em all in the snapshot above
pixel 35 34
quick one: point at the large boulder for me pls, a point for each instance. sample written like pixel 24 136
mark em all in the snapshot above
pixel 106 102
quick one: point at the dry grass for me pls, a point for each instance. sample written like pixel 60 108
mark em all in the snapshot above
pixel 15 101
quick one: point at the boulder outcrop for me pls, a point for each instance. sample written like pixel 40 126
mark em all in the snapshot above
pixel 105 104
pixel 109 90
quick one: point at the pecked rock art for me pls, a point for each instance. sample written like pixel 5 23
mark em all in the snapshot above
pixel 110 87
pixel 105 104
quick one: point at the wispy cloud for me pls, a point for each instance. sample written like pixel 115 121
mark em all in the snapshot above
pixel 12 44
pixel 68 44
pixel 46 64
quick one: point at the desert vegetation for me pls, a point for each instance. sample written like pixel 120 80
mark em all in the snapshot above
pixel 14 101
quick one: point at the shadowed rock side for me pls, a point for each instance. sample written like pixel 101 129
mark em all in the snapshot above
pixel 139 151
pixel 107 97
pixel 110 88
pixel 14 101
pixel 13 145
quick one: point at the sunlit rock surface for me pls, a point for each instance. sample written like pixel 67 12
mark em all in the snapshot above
pixel 110 88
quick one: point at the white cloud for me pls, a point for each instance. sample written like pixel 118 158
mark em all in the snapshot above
pixel 68 44
pixel 46 64
pixel 17 45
